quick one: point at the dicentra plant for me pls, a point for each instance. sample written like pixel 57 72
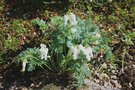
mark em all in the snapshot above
pixel 73 42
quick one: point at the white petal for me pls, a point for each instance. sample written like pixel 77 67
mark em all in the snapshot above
pixel 23 66
pixel 88 56
pixel 66 18
pixel 88 52
pixel 43 51
pixel 81 47
pixel 72 19
pixel 75 51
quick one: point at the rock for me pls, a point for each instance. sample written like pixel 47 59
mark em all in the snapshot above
pixel 93 86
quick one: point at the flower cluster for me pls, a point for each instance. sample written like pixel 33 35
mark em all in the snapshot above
pixel 87 51
pixel 72 20
pixel 34 57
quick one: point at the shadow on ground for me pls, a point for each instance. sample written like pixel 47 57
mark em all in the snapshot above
pixel 14 79
pixel 30 8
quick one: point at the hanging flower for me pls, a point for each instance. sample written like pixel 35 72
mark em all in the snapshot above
pixel 88 52
pixel 66 18
pixel 81 47
pixel 44 51
pixel 75 51
pixel 72 19
pixel 24 65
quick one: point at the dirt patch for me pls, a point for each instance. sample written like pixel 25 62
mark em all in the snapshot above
pixel 13 79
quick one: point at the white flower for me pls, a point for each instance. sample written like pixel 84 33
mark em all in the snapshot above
pixel 75 51
pixel 88 52
pixel 44 51
pixel 81 47
pixel 24 66
pixel 66 18
pixel 72 19
pixel 98 35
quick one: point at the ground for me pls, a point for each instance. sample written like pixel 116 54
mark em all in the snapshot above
pixel 117 18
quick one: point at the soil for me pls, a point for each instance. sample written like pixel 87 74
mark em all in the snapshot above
pixel 11 78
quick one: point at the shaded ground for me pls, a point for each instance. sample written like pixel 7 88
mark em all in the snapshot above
pixel 12 79
pixel 28 9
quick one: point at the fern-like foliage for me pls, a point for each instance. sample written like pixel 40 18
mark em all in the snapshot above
pixel 32 57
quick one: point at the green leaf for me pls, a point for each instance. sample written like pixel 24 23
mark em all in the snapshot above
pixel 41 23
pixel 69 44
